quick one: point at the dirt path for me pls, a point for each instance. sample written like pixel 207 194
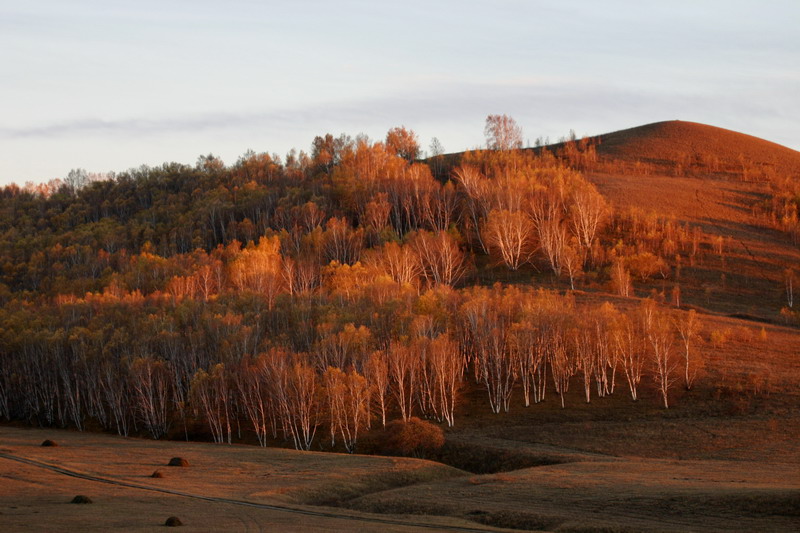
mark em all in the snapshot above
pixel 271 507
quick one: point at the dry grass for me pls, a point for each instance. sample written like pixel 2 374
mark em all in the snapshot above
pixel 629 494
pixel 749 279
pixel 698 148
pixel 32 498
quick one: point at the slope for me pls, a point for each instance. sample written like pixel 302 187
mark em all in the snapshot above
pixel 693 147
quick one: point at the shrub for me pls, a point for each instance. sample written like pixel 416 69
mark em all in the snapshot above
pixel 744 334
pixel 178 461
pixel 719 337
pixel 49 443
pixel 645 265
pixel 415 437
pixel 80 498
pixel 173 521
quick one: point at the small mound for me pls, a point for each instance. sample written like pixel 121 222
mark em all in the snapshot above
pixel 178 461
pixel 80 498
pixel 49 443
pixel 173 521
pixel 157 474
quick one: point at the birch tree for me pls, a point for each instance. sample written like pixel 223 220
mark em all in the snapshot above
pixel 688 326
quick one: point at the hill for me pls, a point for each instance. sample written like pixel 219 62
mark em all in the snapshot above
pixel 693 147
pixel 735 188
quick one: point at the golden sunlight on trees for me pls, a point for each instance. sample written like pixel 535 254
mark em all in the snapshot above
pixel 688 326
pixel 509 234
pixel 258 269
pixel 660 337
pixel 441 258
pixel 301 303
pixel 403 142
pixel 348 405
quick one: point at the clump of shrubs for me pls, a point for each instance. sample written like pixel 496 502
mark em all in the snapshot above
pixel 178 461
pixel 80 498
pixel 719 338
pixel 414 437
pixel 49 443
pixel 744 334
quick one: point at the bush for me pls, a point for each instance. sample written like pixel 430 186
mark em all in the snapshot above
pixel 744 334
pixel 415 437
pixel 719 338
pixel 178 461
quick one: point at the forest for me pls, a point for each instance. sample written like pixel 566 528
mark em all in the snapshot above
pixel 304 300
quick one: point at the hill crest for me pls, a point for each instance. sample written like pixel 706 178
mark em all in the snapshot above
pixel 693 146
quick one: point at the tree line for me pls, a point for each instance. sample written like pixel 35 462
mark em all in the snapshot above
pixel 337 363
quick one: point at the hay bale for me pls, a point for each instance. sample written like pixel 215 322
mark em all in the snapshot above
pixel 178 461
pixel 157 474
pixel 80 498
pixel 173 521
pixel 49 443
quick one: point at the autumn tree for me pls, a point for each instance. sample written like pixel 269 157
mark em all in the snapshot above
pixel 441 258
pixel 660 337
pixel 403 364
pixel 584 350
pixel 150 383
pixel 343 349
pixel 488 315
pixel 563 364
pixel 377 373
pixel 688 326
pixel 447 369
pixel 259 269
pixel 621 278
pixel 509 235
pixel 588 211
pixel 252 388
pixel 502 133
pixel 628 345
pixel 302 403
pixel 476 190
pixel 400 262
pixel 342 242
pixel 211 395
pixel 572 261
pixel 403 142
pixel 528 343
pixel 348 405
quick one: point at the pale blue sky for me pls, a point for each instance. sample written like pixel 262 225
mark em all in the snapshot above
pixel 108 85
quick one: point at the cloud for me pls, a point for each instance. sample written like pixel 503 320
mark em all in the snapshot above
pixel 543 108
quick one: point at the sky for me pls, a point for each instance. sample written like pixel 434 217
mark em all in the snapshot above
pixel 111 85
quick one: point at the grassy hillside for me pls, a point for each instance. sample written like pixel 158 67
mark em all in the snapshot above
pixel 678 146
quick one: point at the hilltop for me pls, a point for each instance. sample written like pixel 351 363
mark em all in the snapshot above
pixel 697 148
